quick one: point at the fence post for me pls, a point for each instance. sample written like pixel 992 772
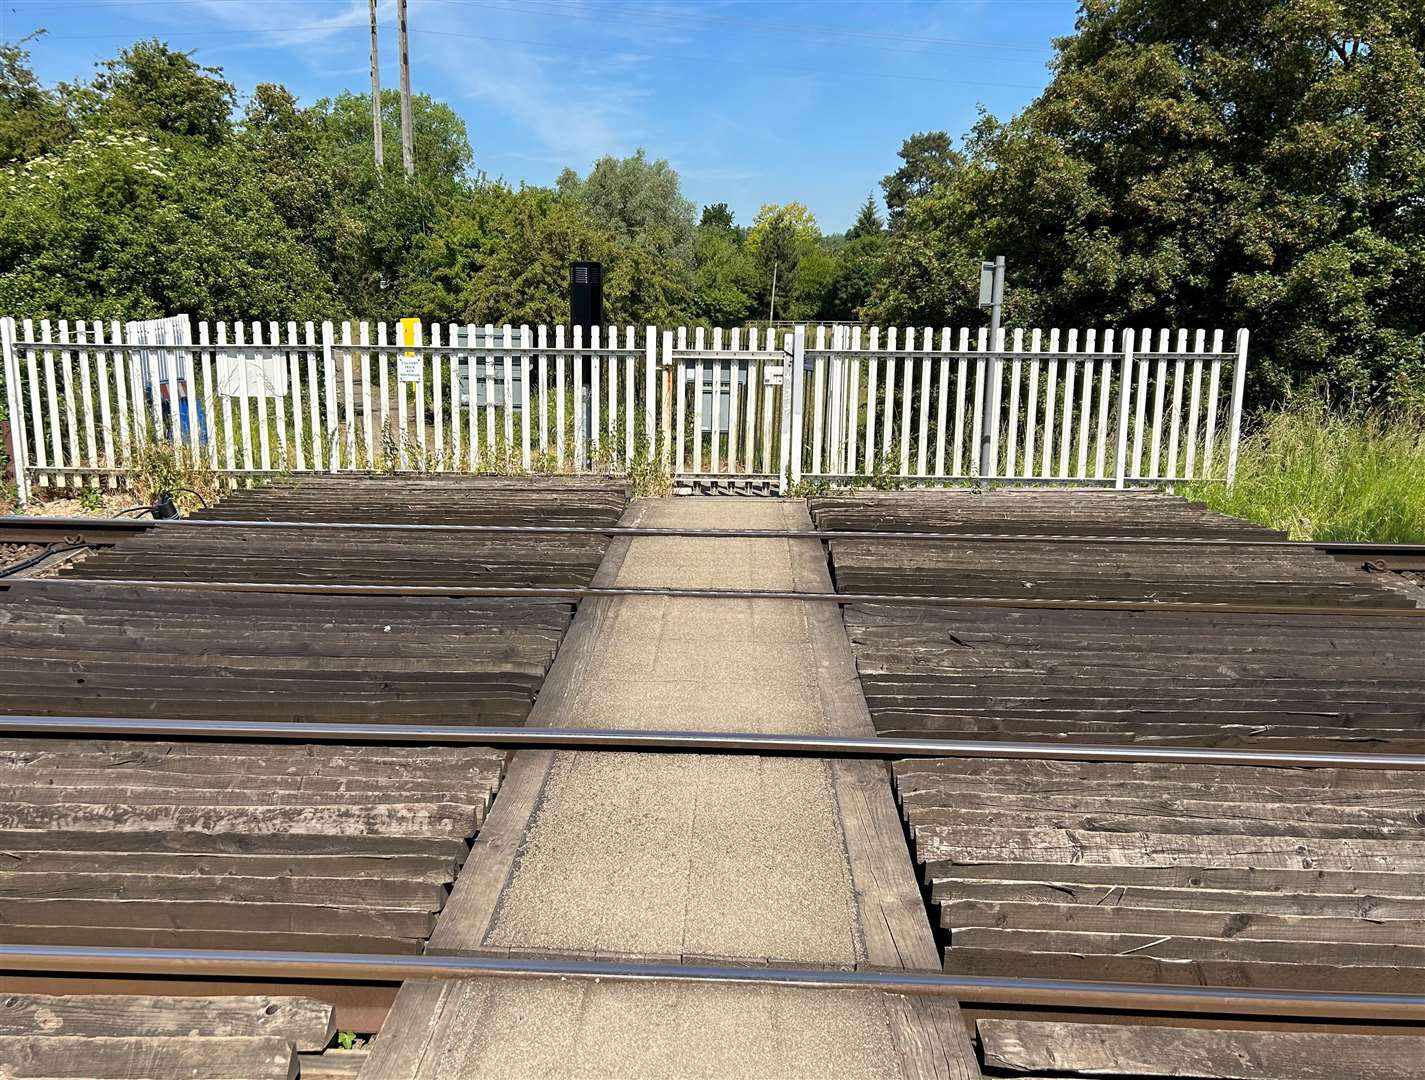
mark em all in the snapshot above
pixel 13 401
pixel 650 393
pixel 329 387
pixel 666 410
pixel 1239 378
pixel 797 401
pixel 1125 386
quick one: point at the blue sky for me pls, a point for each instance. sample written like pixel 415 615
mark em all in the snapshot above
pixel 752 102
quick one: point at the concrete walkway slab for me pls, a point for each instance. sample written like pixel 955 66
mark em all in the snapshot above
pixel 682 855
pixel 522 1031
pixel 689 857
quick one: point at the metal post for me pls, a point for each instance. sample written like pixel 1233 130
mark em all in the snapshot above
pixel 1125 387
pixel 1239 378
pixel 798 396
pixel 408 159
pixel 989 417
pixel 15 401
pixel 666 414
pixel 376 134
pixel 791 369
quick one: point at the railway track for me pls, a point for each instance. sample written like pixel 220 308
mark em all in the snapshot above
pixel 102 532
pixel 315 844
pixel 1157 772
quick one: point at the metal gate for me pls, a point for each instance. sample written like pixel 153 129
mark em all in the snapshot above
pixel 732 410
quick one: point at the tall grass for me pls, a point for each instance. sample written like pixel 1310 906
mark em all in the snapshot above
pixel 1324 475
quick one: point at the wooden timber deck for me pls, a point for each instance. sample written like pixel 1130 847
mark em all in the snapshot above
pixel 309 846
pixel 1167 874
pixel 1199 875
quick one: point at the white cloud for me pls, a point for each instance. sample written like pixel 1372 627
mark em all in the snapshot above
pixel 575 103
pixel 289 25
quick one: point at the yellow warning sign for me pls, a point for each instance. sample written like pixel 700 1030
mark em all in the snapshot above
pixel 410 333
pixel 409 368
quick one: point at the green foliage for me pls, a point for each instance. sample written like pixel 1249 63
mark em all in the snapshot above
pixel 633 198
pixel 726 279
pixel 779 230
pixel 438 139
pixel 868 222
pixel 115 224
pixel 1319 473
pixel 31 121
pixel 717 216
pixel 502 255
pixel 1254 163
pixel 928 159
pixel 779 239
pixel 150 87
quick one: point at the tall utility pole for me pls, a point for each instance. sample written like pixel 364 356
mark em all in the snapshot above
pixel 408 156
pixel 376 99
pixel 992 297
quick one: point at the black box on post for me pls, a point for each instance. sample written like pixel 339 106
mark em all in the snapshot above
pixel 586 294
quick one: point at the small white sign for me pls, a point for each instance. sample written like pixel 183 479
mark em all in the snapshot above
pixel 408 369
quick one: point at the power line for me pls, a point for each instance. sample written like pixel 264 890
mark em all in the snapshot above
pixel 780 69
pixel 579 11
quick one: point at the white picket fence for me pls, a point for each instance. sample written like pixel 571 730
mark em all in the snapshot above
pixel 841 405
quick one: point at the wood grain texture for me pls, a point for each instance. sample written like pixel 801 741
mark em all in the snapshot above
pixel 416 1017
pixel 894 923
pixel 304 1022
pixel 1120 676
pixel 43 1057
pixel 1126 1051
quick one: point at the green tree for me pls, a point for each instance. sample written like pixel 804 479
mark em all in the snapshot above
pixel 32 121
pixel 1233 161
pixel 151 88
pixel 118 225
pixel 439 140
pixel 502 255
pixel 777 240
pixel 808 290
pixel 717 216
pixel 858 267
pixel 787 226
pixel 388 220
pixel 726 279
pixel 868 221
pixel 632 197
pixel 927 159
pixel 285 144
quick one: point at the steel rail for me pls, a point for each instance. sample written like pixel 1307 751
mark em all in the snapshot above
pixel 382 968
pixel 581 592
pixel 695 742
pixel 21 525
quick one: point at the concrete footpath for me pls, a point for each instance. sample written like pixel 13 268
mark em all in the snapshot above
pixel 689 858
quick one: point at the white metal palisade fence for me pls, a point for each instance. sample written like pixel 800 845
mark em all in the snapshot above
pixel 837 405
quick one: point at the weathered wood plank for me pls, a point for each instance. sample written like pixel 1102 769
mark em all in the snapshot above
pixel 1119 1050
pixel 24 1057
pixel 306 1023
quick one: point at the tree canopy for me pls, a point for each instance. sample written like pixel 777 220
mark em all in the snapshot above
pixel 1230 162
